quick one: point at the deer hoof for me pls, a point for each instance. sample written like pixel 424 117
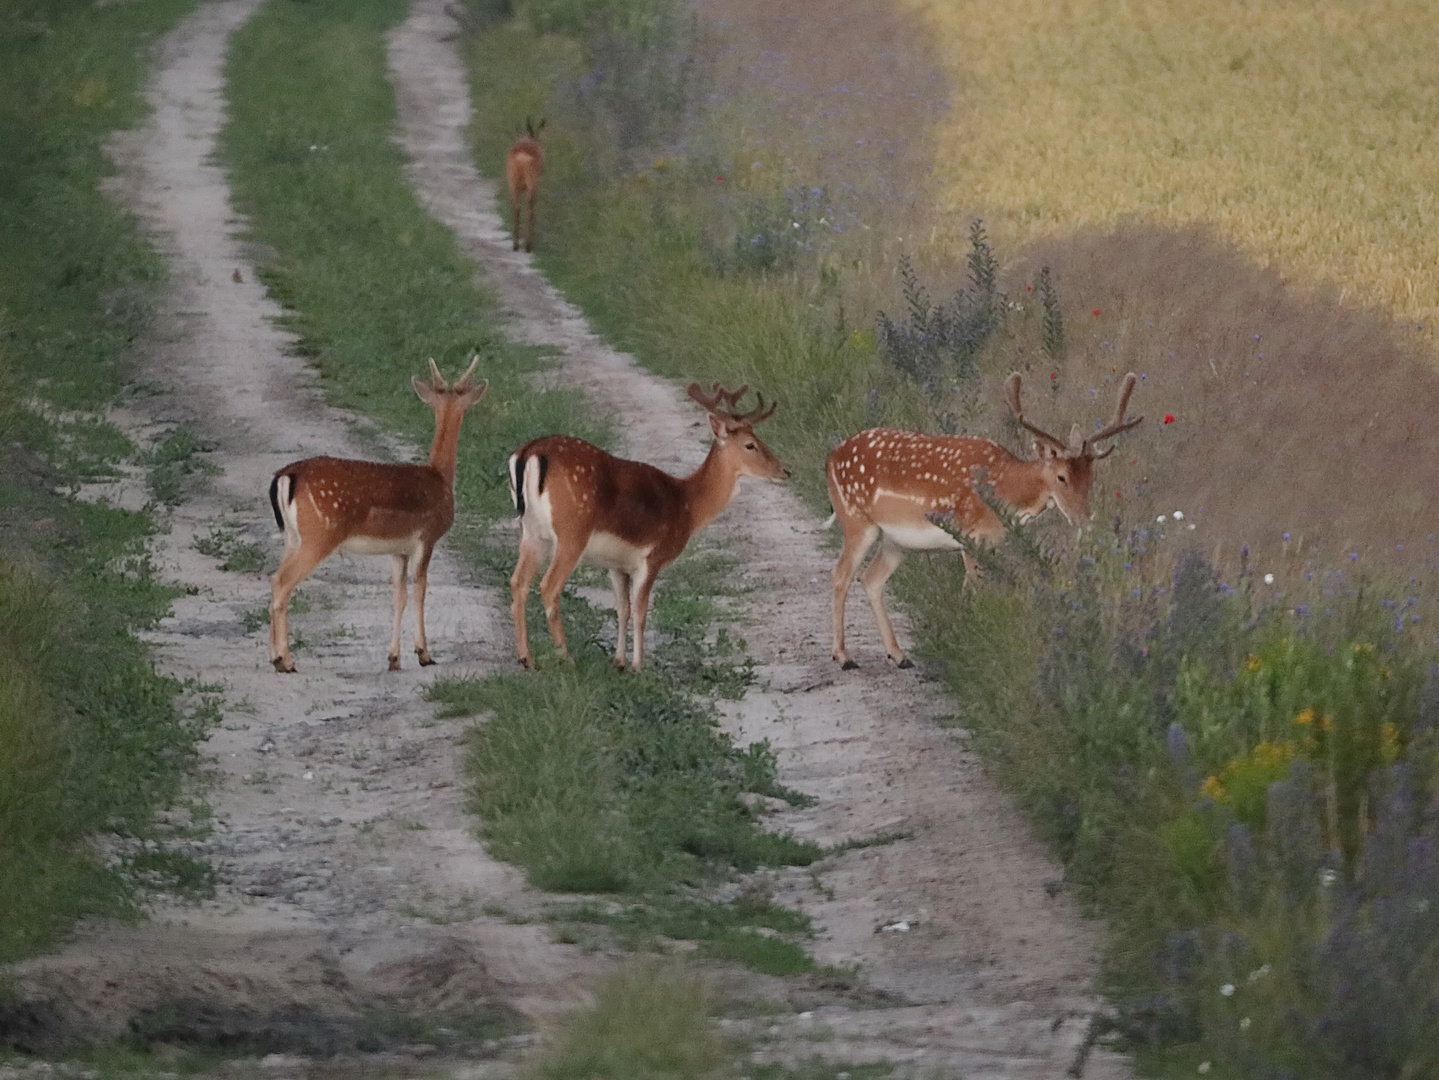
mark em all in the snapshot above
pixel 848 665
pixel 526 662
pixel 906 663
pixel 394 663
pixel 426 660
pixel 283 665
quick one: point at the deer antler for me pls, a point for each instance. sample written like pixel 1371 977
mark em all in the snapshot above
pixel 1119 423
pixel 436 379
pixel 463 382
pixel 723 404
pixel 1011 390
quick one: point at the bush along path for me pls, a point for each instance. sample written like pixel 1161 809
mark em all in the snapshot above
pixel 935 891
pixel 347 909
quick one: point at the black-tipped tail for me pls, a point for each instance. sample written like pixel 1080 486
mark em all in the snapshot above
pixel 275 495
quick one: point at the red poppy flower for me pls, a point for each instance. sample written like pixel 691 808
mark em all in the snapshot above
pixel 1119 494
pixel 719 179
pixel 1097 311
pixel 1054 374
pixel 1029 288
pixel 1169 418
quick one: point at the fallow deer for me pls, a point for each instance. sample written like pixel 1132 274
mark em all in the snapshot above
pixel 328 504
pixel 894 485
pixel 523 165
pixel 580 504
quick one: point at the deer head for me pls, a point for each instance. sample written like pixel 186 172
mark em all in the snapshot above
pixel 1068 468
pixel 734 431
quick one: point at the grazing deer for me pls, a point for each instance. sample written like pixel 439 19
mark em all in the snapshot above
pixel 328 504
pixel 523 165
pixel 583 505
pixel 893 486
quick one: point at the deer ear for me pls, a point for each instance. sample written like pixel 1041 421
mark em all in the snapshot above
pixel 1042 450
pixel 475 394
pixel 1076 440
pixel 425 391
pixel 719 427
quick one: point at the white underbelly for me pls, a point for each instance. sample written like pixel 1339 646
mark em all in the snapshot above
pixel 610 552
pixel 924 537
pixel 373 545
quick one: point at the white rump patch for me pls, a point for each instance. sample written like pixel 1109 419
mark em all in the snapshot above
pixel 288 512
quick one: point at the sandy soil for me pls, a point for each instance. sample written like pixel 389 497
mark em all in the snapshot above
pixel 349 881
pixel 992 976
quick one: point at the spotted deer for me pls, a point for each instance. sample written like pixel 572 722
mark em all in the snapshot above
pixel 328 504
pixel 523 165
pixel 579 504
pixel 892 486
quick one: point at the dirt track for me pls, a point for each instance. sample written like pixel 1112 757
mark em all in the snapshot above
pixel 320 778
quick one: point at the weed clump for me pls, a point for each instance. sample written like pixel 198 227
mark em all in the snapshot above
pixel 938 345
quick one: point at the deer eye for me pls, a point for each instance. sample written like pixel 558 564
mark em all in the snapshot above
pixel 749 446
pixel 1063 479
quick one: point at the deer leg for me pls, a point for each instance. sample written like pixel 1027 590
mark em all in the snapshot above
pixel 530 224
pixel 422 581
pixel 515 206
pixel 856 543
pixel 885 563
pixel 525 570
pixel 643 583
pixel 298 564
pixel 566 558
pixel 399 572
pixel 620 582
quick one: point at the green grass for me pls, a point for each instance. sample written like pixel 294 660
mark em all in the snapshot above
pixel 649 1022
pixel 371 283
pixel 92 740
pixel 1166 736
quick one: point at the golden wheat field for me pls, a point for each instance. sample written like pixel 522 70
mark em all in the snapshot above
pixel 1306 133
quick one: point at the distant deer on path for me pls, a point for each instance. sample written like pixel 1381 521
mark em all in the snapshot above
pixel 328 504
pixel 523 166
pixel 893 486
pixel 580 504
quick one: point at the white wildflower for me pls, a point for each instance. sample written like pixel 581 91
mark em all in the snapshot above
pixel 1328 877
pixel 1204 1066
pixel 1160 519
pixel 1179 515
pixel 1269 579
pixel 1244 1024
pixel 1227 989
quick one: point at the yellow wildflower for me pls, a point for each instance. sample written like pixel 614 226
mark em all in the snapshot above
pixel 1306 717
pixel 1326 723
pixel 1385 671
pixel 1363 647
pixel 1213 789
pixel 1273 753
pixel 1253 663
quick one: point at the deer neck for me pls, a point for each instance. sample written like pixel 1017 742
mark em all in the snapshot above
pixel 446 447
pixel 1020 484
pixel 709 489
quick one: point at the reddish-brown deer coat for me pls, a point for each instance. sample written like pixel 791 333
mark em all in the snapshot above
pixel 328 504
pixel 578 503
pixel 892 486
pixel 523 165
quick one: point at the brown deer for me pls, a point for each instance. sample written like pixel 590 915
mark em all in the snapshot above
pixel 523 165
pixel 580 504
pixel 328 504
pixel 893 486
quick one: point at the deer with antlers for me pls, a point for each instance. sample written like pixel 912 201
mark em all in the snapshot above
pixel 893 486
pixel 523 165
pixel 580 504
pixel 328 504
